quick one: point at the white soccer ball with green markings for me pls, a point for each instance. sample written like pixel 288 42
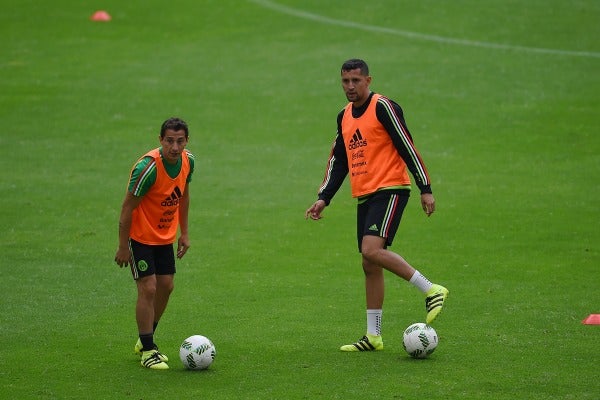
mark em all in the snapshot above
pixel 197 352
pixel 420 340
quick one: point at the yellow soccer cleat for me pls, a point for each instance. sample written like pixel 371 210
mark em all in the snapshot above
pixel 151 359
pixel 367 343
pixel 137 349
pixel 434 302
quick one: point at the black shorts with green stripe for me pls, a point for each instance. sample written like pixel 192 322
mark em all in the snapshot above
pixel 379 214
pixel 151 259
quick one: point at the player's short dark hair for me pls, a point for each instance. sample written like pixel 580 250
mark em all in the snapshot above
pixel 356 63
pixel 175 124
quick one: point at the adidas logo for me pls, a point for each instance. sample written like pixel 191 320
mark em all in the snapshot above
pixel 373 228
pixel 357 141
pixel 173 199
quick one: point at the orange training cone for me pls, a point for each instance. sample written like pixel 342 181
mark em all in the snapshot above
pixel 101 15
pixel 592 319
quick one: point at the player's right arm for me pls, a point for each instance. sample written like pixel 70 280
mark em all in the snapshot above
pixel 143 176
pixel 337 166
pixel 123 256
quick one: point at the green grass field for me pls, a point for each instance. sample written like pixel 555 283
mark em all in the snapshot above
pixel 502 99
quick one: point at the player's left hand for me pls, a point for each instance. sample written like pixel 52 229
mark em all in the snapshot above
pixel 183 244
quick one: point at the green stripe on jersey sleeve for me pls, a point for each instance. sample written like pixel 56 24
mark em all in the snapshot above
pixel 142 177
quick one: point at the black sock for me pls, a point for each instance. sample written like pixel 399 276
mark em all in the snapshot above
pixel 147 340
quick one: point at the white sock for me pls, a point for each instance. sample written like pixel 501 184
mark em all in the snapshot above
pixel 374 322
pixel 421 282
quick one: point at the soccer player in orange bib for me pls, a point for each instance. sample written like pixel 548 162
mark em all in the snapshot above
pixel 374 147
pixel 155 206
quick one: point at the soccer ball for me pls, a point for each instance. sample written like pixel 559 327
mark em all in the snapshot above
pixel 197 352
pixel 420 340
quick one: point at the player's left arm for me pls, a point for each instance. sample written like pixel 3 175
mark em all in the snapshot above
pixel 183 244
pixel 391 117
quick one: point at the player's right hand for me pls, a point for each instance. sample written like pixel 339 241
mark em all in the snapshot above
pixel 123 257
pixel 314 211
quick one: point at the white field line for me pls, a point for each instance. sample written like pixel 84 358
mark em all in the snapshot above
pixel 416 35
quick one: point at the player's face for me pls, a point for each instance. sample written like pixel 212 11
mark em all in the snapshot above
pixel 356 86
pixel 173 144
